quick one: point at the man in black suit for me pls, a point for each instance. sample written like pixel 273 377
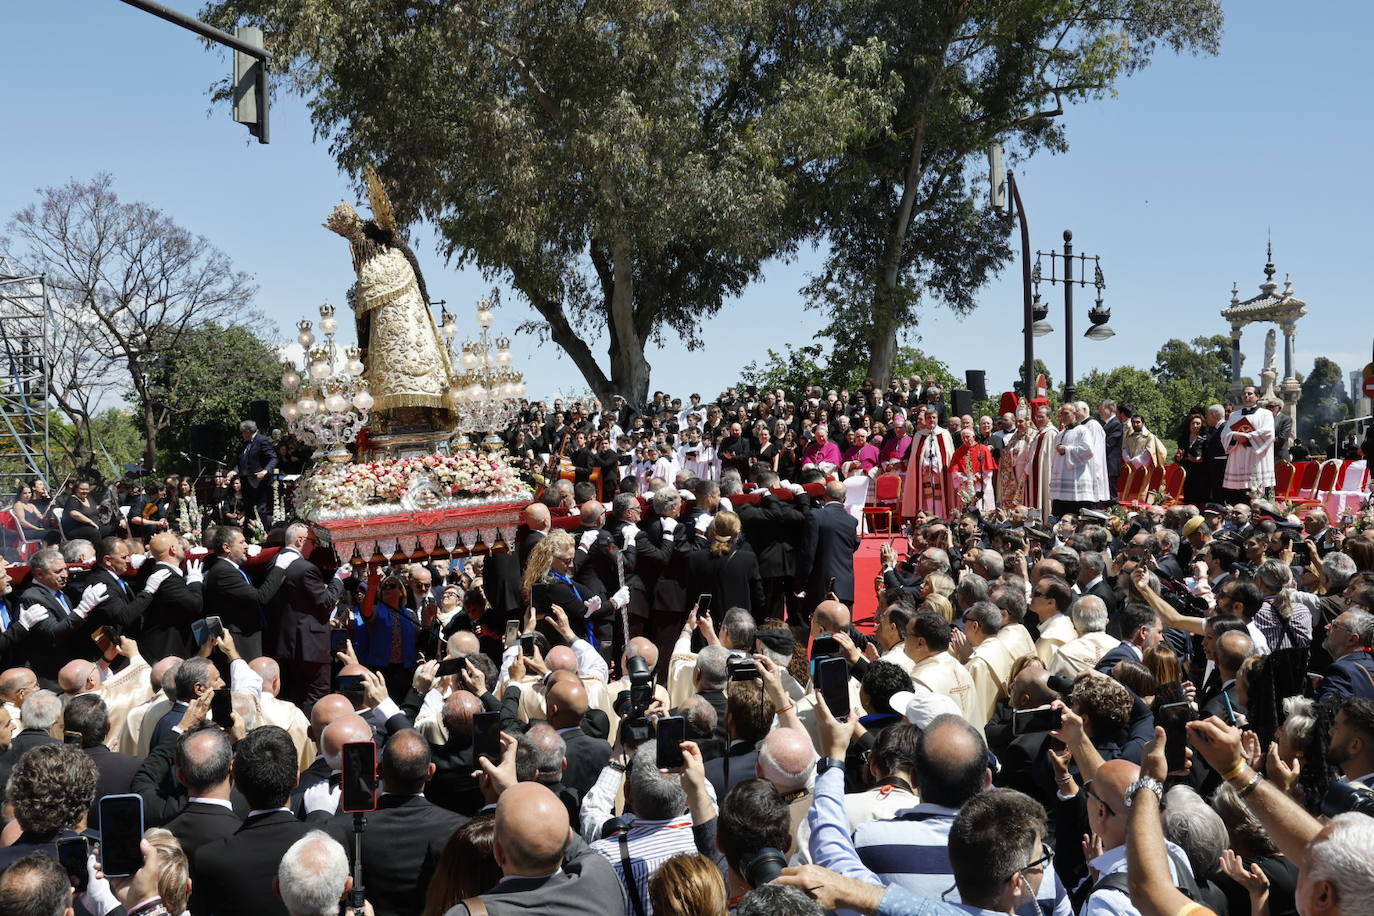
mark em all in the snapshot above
pixel 208 812
pixel 48 646
pixel 256 462
pixel 1348 641
pixel 567 703
pixel 1214 451
pixel 1111 427
pixel 233 876
pixel 748 716
pixel 538 522
pixel 407 833
pixel 1092 579
pixel 231 596
pixel 1141 628
pixel 87 716
pixel 452 784
pixel 834 539
pixel 301 611
pixel 776 530
pixel 120 606
pixel 1167 544
pixel 1232 649
pixel 193 679
pixel 40 712
pixel 166 625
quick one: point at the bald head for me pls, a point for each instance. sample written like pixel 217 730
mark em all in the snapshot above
pixel 406 763
pixel 463 643
pixel 567 703
pixel 561 658
pixel 16 681
pixel 269 671
pixel 531 830
pixel 78 676
pixel 1031 688
pixel 343 730
pixel 592 513
pixel 641 647
pixel 1112 780
pixel 162 545
pixel 831 617
pixel 326 709
pixel 160 669
pixel 459 710
pixel 787 759
pixel 537 517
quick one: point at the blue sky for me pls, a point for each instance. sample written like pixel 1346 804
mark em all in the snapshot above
pixel 1175 183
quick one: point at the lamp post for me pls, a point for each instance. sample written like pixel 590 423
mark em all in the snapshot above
pixel 1099 315
pixel 1018 212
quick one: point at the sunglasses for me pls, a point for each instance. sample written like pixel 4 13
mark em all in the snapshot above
pixel 1088 791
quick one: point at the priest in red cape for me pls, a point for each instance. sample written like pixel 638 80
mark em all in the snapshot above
pixel 973 465
pixel 929 485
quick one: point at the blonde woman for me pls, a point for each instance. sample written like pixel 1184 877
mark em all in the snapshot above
pixel 940 605
pixel 548 581
pixel 727 572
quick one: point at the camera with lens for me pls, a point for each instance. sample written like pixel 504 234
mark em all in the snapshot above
pixel 1343 797
pixel 633 704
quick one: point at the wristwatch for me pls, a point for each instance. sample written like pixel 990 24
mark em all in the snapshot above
pixel 1144 782
pixel 828 762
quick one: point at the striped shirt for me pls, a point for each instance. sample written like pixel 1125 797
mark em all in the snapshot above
pixel 651 843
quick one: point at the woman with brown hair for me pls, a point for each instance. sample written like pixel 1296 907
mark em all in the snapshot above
pixel 724 570
pixel 1164 664
pixel 466 868
pixel 686 886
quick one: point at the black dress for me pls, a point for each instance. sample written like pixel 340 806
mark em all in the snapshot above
pixel 73 529
pixel 1194 462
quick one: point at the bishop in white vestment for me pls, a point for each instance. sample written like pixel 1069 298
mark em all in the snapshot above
pixel 1073 475
pixel 1250 455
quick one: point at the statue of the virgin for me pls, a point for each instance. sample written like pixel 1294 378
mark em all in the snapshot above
pixel 408 368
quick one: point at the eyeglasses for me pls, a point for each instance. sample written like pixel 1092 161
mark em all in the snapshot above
pixel 1046 854
pixel 1088 791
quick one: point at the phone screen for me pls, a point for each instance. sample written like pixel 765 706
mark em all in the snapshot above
pixel 672 731
pixel 200 631
pixel 215 627
pixel 703 604
pixel 512 632
pixel 121 830
pixel 1174 719
pixel 486 735
pixel 832 677
pixel 72 852
pixel 73 738
pixel 451 666
pixel 1040 719
pixel 222 707
pixel 824 647
pixel 359 782
pixel 350 683
pixel 527 645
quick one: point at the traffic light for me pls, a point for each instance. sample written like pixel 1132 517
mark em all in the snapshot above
pixel 250 85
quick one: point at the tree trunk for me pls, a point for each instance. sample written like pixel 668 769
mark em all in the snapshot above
pixel 882 353
pixel 150 434
pixel 629 368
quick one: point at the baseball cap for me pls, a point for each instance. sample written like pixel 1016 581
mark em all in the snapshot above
pixel 921 707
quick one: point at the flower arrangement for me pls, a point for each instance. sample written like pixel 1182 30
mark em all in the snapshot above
pixel 341 489
pixel 189 520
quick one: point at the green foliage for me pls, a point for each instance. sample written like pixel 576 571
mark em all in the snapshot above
pixel 210 378
pixel 800 367
pixel 1207 360
pixel 116 442
pixel 904 213
pixel 1323 401
pixel 627 166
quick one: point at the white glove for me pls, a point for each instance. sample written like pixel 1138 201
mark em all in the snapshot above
pixel 669 524
pixel 136 560
pixel 343 572
pixel 796 488
pixel 90 598
pixel 155 580
pixel 587 539
pixel 284 558
pixel 703 522
pixel 593 604
pixel 195 572
pixel 32 616
pixel 628 534
pixel 620 598
pixel 254 549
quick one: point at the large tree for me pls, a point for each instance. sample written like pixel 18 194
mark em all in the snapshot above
pixel 129 285
pixel 628 165
pixel 902 218
pixel 1323 401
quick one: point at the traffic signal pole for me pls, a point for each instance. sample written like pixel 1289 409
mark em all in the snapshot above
pixel 250 80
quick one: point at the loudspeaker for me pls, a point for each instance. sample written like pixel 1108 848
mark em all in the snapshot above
pixel 977 383
pixel 961 401
pixel 260 413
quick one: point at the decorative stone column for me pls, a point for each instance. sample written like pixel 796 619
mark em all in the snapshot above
pixel 1290 333
pixel 1290 390
pixel 1235 361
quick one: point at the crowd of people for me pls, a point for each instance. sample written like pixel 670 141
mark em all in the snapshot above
pixel 657 699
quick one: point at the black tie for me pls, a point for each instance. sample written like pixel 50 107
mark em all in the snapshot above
pixel 334 780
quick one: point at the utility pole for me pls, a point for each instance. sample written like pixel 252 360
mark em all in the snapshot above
pixel 251 62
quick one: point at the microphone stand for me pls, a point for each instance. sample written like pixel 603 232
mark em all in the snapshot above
pixel 356 896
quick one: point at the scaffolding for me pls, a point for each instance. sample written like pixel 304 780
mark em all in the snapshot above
pixel 25 357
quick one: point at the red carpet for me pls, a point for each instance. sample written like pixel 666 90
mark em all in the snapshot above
pixel 867 566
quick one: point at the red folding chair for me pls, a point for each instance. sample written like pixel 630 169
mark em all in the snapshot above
pixel 1284 474
pixel 886 495
pixel 1133 494
pixel 1322 479
pixel 1174 476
